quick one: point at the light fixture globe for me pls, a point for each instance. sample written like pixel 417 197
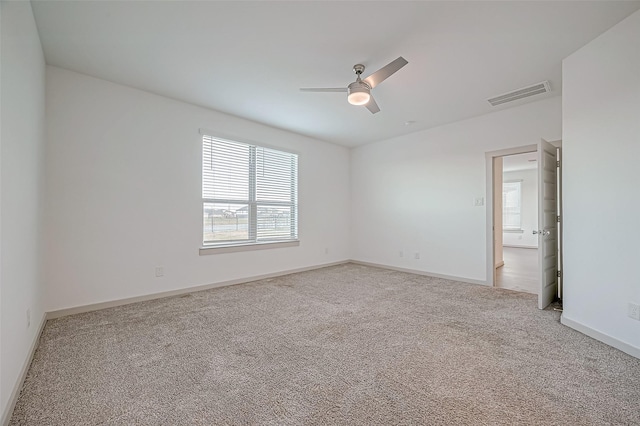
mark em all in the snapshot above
pixel 359 93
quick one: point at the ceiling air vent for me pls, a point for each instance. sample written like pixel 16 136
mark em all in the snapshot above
pixel 525 92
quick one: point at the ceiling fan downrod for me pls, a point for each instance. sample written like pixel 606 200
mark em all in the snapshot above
pixel 359 91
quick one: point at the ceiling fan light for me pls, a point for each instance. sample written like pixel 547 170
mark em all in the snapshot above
pixel 358 93
pixel 359 98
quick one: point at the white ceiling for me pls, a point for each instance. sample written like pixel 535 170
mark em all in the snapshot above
pixel 250 58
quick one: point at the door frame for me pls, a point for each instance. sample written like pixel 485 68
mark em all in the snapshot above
pixel 490 251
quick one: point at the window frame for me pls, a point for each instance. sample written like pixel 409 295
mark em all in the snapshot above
pixel 253 241
pixel 514 229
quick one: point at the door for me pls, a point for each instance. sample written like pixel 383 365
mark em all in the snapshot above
pixel 547 223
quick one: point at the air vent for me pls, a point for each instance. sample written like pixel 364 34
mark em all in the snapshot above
pixel 525 92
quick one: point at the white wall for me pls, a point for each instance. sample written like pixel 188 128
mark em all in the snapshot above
pixel 416 193
pixel 601 147
pixel 124 194
pixel 21 191
pixel 529 209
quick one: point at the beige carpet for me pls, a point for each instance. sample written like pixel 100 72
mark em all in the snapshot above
pixel 343 345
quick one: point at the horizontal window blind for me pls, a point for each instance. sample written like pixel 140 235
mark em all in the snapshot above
pixel 225 172
pixel 511 205
pixel 249 193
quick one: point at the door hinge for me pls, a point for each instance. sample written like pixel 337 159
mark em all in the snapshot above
pixel 559 274
pixel 557 163
pixel 558 217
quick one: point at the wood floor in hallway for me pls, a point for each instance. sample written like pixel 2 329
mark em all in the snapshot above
pixel 520 270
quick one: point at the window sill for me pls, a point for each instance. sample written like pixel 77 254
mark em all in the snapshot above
pixel 513 231
pixel 247 247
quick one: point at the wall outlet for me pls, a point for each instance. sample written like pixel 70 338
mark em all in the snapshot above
pixel 634 311
pixel 326 250
pixel 401 253
pixel 478 202
pixel 416 256
pixel 159 271
pixel 28 317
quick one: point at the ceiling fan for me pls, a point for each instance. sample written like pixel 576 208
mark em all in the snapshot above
pixel 359 92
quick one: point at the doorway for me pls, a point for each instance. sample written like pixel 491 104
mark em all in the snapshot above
pixel 516 210
pixel 546 235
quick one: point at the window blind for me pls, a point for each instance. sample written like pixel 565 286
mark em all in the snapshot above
pixel 249 193
pixel 511 205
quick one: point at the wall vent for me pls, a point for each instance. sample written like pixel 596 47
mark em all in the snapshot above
pixel 525 92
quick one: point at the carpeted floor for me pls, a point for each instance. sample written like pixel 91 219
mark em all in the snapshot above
pixel 348 344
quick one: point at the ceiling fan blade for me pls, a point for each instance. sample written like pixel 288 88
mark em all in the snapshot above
pixel 324 89
pixel 385 72
pixel 372 105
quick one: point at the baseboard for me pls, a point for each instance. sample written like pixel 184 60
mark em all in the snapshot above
pixel 418 272
pixel 119 302
pixel 604 338
pixel 17 387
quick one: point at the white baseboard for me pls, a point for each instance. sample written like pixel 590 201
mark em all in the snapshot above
pixel 17 386
pixel 119 302
pixel 598 335
pixel 418 272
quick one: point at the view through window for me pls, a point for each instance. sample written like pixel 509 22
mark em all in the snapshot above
pixel 249 193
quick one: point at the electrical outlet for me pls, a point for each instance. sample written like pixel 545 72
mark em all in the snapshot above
pixel 159 271
pixel 478 202
pixel 634 311
pixel 326 250
pixel 28 317
pixel 401 253
pixel 416 256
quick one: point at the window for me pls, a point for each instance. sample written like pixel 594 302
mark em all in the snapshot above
pixel 249 194
pixel 511 206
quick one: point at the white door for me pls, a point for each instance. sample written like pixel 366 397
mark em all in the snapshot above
pixel 547 223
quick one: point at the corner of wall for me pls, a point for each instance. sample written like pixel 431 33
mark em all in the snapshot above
pixel 22 113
